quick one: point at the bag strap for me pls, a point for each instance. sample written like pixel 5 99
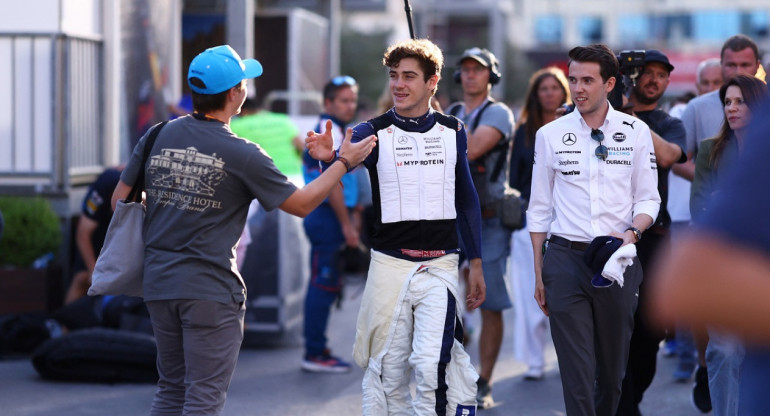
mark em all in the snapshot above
pixel 501 157
pixel 136 191
pixel 454 110
pixel 499 148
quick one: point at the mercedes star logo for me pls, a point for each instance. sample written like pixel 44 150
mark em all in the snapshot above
pixel 569 139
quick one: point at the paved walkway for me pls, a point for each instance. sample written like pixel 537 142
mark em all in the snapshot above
pixel 268 382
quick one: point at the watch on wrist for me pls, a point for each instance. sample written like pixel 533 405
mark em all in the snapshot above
pixel 637 233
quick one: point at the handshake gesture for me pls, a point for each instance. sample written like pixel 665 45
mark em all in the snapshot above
pixel 321 146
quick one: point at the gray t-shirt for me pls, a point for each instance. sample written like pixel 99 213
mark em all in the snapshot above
pixel 499 116
pixel 200 179
pixel 702 119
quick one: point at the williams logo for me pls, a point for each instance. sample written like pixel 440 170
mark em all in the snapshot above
pixel 570 172
pixel 569 139
pixel 619 137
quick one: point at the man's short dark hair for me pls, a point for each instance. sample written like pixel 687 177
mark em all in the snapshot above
pixel 336 84
pixel 738 43
pixel 601 54
pixel 207 103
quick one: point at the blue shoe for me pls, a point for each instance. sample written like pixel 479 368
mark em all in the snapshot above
pixel 324 363
pixel 683 371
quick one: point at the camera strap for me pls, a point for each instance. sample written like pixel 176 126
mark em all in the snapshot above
pixel 501 146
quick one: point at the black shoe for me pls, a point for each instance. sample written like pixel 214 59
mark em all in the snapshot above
pixel 484 398
pixel 701 397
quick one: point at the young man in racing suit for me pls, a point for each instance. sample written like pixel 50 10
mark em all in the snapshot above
pixel 422 193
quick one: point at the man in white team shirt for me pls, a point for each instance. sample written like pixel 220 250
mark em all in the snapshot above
pixel 594 175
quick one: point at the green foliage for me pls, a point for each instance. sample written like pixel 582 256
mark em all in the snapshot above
pixel 361 58
pixel 31 230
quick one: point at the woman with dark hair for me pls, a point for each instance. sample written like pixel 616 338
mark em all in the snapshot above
pixel 547 91
pixel 740 96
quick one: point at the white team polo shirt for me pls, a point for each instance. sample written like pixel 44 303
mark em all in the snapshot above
pixel 576 195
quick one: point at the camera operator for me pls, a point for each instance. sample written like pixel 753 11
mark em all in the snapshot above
pixel 668 138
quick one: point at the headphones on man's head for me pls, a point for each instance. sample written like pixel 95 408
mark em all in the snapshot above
pixel 494 71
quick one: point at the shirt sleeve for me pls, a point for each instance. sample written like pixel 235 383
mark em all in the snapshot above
pixel 499 117
pixel 688 122
pixel 466 200
pixel 131 171
pixel 265 181
pixel 540 209
pixel 644 181
pixel 676 134
pixel 702 182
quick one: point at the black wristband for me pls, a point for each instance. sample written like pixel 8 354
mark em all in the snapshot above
pixel 345 162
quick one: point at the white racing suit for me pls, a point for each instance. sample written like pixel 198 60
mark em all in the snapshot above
pixel 409 320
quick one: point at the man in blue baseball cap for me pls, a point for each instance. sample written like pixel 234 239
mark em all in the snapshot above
pixel 200 179
pixel 220 68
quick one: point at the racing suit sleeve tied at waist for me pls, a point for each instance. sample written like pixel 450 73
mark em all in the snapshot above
pixel 383 328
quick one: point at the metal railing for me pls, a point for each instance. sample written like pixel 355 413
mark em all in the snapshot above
pixel 52 98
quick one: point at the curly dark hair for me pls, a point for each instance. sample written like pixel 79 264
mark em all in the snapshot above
pixel 427 53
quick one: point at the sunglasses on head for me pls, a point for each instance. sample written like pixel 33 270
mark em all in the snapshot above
pixel 601 151
pixel 343 79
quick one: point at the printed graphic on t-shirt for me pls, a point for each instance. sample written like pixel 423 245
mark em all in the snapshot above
pixel 183 177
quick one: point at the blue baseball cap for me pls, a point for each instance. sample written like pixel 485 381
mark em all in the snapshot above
pixel 654 55
pixel 220 68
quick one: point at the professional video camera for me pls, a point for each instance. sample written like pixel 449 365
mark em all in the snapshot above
pixel 631 63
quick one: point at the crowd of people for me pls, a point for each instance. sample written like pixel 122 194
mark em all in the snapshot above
pixel 606 192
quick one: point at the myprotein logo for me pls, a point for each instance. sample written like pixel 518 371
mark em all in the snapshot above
pixel 420 162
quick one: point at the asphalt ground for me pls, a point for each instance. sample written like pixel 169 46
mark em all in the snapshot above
pixel 270 382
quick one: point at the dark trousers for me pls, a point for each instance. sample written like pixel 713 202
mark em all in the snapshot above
pixel 591 329
pixel 642 357
pixel 325 235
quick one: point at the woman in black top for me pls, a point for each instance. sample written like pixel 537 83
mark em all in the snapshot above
pixel 547 91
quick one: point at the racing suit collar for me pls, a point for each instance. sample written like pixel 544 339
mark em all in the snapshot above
pixel 410 123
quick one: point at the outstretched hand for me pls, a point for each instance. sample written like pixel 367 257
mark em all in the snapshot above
pixel 355 153
pixel 321 145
